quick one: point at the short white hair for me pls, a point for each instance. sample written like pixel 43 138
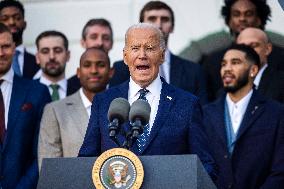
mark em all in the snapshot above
pixel 147 26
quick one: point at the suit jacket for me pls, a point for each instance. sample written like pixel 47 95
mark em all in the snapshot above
pixel 30 65
pixel 63 128
pixel 176 129
pixel 183 74
pixel 212 65
pixel 18 158
pixel 257 161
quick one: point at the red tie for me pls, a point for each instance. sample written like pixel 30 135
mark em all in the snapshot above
pixel 2 116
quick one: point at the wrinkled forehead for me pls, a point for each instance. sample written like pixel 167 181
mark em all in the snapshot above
pixel 142 36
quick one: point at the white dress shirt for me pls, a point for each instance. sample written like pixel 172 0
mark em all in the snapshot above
pixel 6 89
pixel 62 86
pixel 153 96
pixel 259 76
pixel 87 104
pixel 165 67
pixel 237 110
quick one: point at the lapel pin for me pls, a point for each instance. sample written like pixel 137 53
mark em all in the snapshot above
pixel 168 97
pixel 255 108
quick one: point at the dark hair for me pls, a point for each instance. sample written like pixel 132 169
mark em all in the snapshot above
pixel 156 5
pixel 12 3
pixel 251 55
pixel 262 10
pixel 98 49
pixel 4 28
pixel 52 33
pixel 96 21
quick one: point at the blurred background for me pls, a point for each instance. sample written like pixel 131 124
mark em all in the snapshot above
pixel 194 19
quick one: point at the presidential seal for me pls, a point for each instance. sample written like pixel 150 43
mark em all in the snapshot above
pixel 118 168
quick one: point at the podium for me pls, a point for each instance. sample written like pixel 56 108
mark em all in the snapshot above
pixel 160 172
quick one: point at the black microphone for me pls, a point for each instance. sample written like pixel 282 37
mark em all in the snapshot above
pixel 139 116
pixel 117 114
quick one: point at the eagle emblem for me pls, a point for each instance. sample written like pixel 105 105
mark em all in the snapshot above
pixel 118 174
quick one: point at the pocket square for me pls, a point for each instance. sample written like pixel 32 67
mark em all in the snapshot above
pixel 26 107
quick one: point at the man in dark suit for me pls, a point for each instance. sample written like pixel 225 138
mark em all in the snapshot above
pixel 175 70
pixel 269 81
pixel 52 56
pixel 245 129
pixel 97 32
pixel 21 106
pixel 238 15
pixel 12 14
pixel 174 125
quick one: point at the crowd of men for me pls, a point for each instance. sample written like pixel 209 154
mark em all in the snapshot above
pixel 227 108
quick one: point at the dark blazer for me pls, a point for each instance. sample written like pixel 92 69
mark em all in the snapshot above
pixel 176 129
pixel 212 64
pixel 18 158
pixel 184 74
pixel 258 157
pixel 30 65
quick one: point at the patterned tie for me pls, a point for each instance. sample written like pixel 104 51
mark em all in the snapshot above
pixel 142 139
pixel 15 64
pixel 2 116
pixel 55 93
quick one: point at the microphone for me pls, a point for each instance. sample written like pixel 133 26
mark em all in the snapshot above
pixel 117 114
pixel 139 116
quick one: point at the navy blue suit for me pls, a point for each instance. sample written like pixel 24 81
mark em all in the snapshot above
pixel 176 129
pixel 184 74
pixel 18 157
pixel 30 66
pixel 257 161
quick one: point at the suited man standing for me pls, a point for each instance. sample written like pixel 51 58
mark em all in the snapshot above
pixel 175 70
pixel 64 122
pixel 269 81
pixel 12 14
pixel 21 106
pixel 97 32
pixel 245 129
pixel 52 56
pixel 173 128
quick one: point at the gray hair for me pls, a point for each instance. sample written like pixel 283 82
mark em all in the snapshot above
pixel 147 26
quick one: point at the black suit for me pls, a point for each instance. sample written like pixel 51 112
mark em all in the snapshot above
pixel 212 66
pixel 183 74
pixel 30 66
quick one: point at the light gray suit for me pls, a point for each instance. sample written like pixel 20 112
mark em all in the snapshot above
pixel 63 127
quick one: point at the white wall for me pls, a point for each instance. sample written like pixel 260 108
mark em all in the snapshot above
pixel 194 19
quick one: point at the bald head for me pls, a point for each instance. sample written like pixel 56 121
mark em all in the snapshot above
pixel 258 40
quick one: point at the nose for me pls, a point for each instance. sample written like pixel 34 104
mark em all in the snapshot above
pixel 94 69
pixel 11 21
pixel 99 42
pixel 142 53
pixel 51 55
pixel 158 23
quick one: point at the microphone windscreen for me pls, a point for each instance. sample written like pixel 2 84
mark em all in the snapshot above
pixel 140 109
pixel 119 109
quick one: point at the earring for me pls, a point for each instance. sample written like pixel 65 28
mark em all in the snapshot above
pixel 251 75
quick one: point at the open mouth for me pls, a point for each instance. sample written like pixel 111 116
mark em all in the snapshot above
pixel 142 67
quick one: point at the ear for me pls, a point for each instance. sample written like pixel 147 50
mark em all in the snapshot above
pixel 162 57
pixel 83 43
pixel 258 22
pixel 25 25
pixel 37 58
pixel 68 56
pixel 124 56
pixel 254 70
pixel 268 49
pixel 78 72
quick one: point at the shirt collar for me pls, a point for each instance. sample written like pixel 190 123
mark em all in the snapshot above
pixel 9 76
pixel 20 48
pixel 167 56
pixel 241 104
pixel 154 88
pixel 85 100
pixel 62 83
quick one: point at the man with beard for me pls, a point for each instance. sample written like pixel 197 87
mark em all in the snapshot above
pixel 12 14
pixel 245 129
pixel 175 70
pixel 64 122
pixel 52 56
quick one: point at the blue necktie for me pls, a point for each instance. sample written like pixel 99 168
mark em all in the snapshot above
pixel 15 64
pixel 142 139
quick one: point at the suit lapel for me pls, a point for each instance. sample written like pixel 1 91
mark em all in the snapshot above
pixel 175 70
pixel 254 110
pixel 167 99
pixel 19 92
pixel 265 81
